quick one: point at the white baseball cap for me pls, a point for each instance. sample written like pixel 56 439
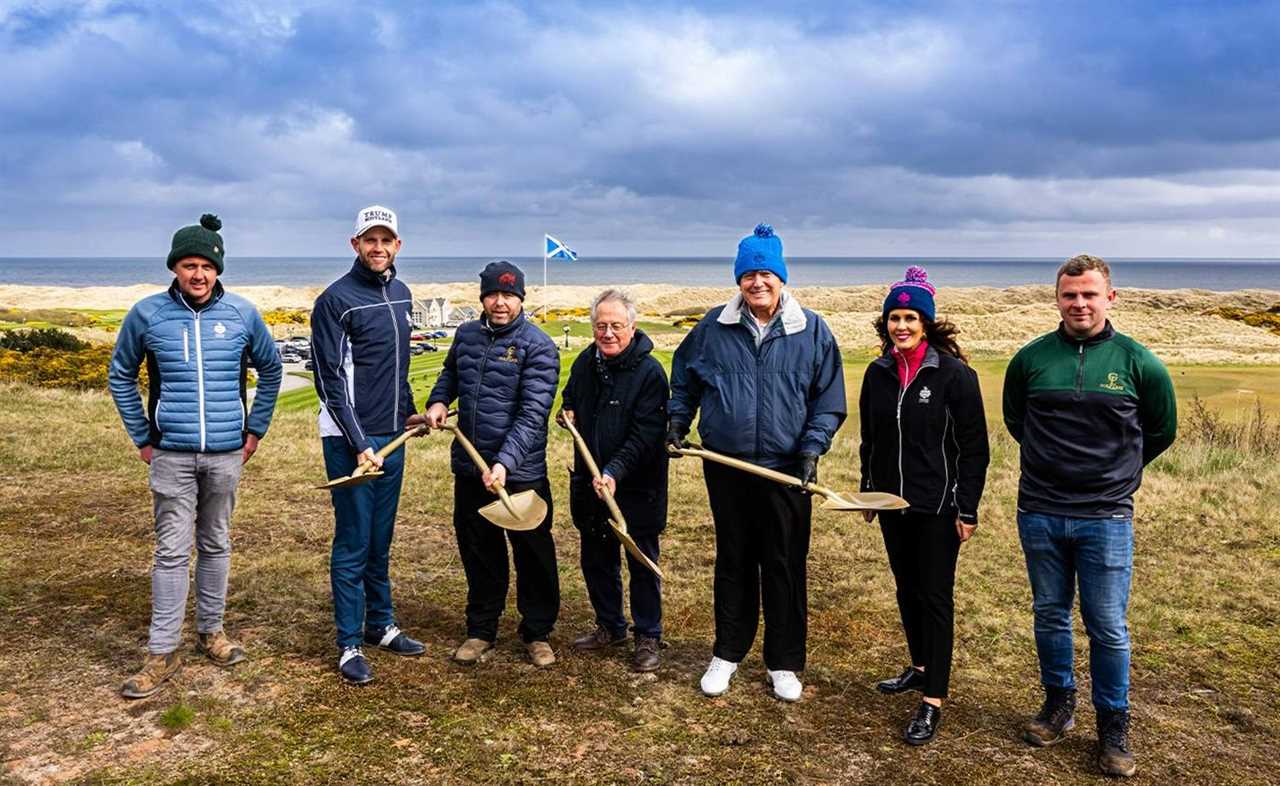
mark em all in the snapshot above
pixel 376 216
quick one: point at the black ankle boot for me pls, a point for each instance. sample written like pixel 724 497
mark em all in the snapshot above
pixel 924 725
pixel 1114 756
pixel 911 678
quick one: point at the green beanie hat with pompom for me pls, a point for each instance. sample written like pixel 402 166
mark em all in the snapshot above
pixel 199 240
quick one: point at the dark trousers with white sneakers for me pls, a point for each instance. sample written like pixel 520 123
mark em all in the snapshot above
pixel 922 554
pixel 483 548
pixel 762 544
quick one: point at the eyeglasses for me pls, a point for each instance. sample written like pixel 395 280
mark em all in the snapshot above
pixel 604 328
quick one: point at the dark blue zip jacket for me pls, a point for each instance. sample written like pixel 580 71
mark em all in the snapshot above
pixel 768 404
pixel 504 380
pixel 360 330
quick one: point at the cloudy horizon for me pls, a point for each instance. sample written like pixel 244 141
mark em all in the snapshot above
pixel 868 129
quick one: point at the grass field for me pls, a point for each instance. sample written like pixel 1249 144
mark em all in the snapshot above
pixel 75 546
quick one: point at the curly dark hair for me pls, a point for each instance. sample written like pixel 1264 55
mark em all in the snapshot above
pixel 940 334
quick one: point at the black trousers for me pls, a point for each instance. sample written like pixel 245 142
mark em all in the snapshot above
pixel 483 548
pixel 762 543
pixel 922 554
pixel 602 570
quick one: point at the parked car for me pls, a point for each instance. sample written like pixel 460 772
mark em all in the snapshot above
pixel 310 365
pixel 417 349
pixel 290 357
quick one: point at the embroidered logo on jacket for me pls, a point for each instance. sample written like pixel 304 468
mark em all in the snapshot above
pixel 1113 382
pixel 925 394
pixel 510 356
pixel 219 329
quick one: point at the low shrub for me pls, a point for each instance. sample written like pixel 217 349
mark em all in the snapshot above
pixel 84 369
pixel 41 338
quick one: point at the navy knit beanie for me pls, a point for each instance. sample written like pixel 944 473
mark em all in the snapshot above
pixel 502 276
pixel 914 292
pixel 199 240
pixel 761 250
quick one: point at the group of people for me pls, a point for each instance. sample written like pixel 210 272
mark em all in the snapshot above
pixel 760 375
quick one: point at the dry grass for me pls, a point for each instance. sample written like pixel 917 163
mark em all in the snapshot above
pixel 74 597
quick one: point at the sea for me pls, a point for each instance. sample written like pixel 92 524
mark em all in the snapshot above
pixel 1212 274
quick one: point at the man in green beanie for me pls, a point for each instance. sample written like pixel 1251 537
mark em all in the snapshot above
pixel 195 338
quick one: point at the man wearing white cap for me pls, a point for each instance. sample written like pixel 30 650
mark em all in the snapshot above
pixel 360 344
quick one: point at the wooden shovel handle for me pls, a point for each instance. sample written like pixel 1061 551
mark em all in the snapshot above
pixel 389 448
pixel 479 460
pixel 595 473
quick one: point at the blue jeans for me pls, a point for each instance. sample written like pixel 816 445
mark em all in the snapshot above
pixel 365 519
pixel 1098 554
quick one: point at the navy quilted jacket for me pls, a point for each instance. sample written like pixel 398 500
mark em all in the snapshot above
pixel 504 380
pixel 196 360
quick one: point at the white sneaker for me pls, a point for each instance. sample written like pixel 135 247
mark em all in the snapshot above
pixel 786 685
pixel 716 681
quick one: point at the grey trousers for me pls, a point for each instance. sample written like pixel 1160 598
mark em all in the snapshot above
pixel 193 496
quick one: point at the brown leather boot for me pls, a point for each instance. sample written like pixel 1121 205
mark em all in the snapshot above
pixel 645 658
pixel 220 648
pixel 155 671
pixel 598 639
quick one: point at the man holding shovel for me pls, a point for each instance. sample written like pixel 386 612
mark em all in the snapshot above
pixel 196 340
pixel 616 397
pixel 503 372
pixel 360 344
pixel 766 376
pixel 1090 408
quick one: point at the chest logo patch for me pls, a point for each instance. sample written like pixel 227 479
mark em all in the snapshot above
pixel 219 329
pixel 510 356
pixel 1113 382
pixel 925 395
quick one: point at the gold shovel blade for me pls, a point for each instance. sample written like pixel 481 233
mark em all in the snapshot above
pixel 526 513
pixel 630 545
pixel 347 481
pixel 867 500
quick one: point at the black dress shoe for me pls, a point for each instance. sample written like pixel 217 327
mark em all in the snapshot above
pixel 924 725
pixel 392 639
pixel 911 678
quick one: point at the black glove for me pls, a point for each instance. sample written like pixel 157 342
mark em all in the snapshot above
pixel 808 468
pixel 676 433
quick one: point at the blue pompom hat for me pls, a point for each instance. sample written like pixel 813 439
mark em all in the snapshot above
pixel 761 250
pixel 914 292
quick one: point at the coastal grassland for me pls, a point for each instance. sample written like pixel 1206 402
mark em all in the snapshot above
pixel 75 546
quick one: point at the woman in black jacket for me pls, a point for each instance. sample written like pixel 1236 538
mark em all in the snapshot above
pixel 924 438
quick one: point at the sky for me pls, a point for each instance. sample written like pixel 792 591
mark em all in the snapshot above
pixel 1044 129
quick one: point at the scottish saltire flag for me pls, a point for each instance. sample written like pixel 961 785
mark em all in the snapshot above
pixel 557 250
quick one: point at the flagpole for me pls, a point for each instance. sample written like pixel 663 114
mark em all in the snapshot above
pixel 544 279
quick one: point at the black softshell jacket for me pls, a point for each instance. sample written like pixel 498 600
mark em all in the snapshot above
pixel 927 442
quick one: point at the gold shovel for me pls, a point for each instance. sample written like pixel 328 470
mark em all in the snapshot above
pixel 618 523
pixel 521 511
pixel 365 472
pixel 832 500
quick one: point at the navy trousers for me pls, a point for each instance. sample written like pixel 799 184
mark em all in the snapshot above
pixel 601 561
pixel 364 522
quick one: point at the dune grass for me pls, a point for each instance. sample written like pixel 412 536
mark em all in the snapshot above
pixel 75 546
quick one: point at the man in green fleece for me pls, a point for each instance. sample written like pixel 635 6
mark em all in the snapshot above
pixel 1090 408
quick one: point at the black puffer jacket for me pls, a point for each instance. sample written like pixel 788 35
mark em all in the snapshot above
pixel 926 443
pixel 620 408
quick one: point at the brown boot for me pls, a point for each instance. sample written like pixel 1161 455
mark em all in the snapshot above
pixel 541 654
pixel 472 651
pixel 1056 718
pixel 645 658
pixel 156 670
pixel 598 639
pixel 220 648
pixel 1114 756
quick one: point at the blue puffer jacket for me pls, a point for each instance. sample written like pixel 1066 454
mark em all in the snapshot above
pixel 504 380
pixel 196 360
pixel 768 404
